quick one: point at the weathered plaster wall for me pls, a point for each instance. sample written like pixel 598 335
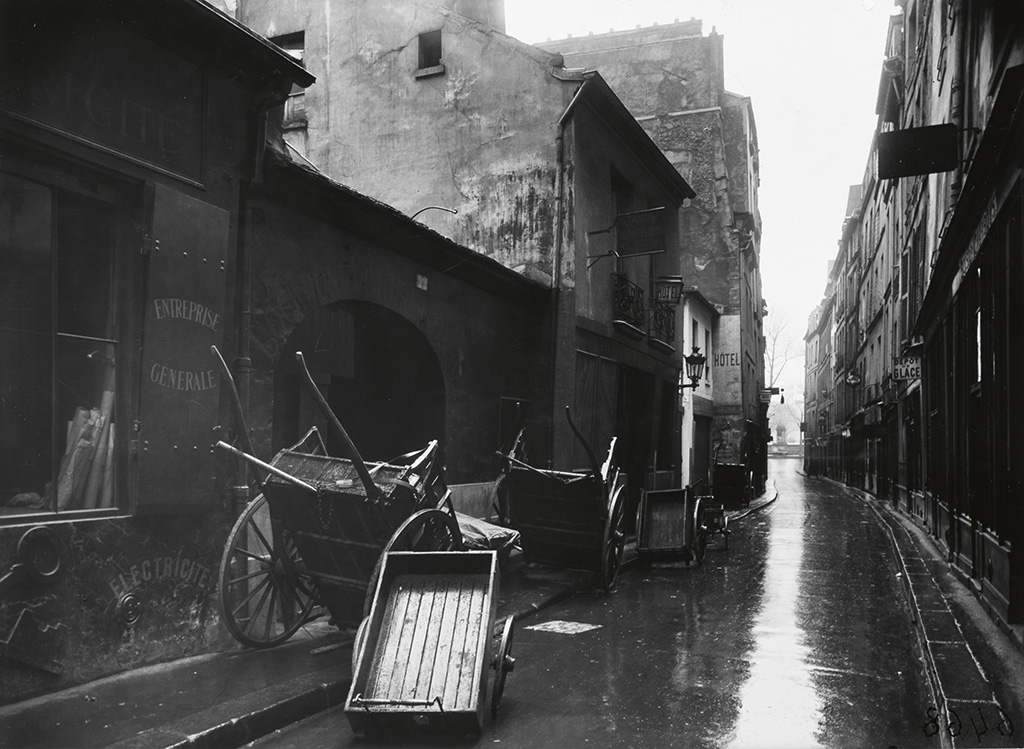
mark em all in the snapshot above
pixel 478 138
pixel 708 258
pixel 657 69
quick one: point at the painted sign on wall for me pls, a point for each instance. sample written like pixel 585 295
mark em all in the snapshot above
pixel 181 383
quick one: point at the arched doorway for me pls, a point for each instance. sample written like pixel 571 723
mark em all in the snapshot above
pixel 377 371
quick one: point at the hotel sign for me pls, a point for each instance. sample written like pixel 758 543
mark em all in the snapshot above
pixel 906 368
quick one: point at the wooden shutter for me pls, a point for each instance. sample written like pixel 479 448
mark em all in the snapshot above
pixel 180 384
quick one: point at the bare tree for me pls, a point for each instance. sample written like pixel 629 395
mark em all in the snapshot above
pixel 781 347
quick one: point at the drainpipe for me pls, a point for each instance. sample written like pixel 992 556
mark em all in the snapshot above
pixel 958 97
pixel 242 364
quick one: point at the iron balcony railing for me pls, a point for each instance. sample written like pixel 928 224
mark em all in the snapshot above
pixel 627 302
pixel 663 323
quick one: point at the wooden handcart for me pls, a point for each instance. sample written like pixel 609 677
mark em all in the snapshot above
pixel 317 533
pixel 567 519
pixel 671 525
pixel 422 657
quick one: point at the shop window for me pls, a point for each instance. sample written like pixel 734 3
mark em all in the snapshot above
pixel 58 345
pixel 429 60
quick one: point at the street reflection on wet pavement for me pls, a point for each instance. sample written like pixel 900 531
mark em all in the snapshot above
pixel 797 635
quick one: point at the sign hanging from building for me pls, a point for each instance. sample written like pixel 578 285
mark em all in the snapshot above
pixel 668 289
pixel 640 232
pixel 917 150
pixel 906 368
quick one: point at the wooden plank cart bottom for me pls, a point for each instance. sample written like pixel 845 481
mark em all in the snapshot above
pixel 422 656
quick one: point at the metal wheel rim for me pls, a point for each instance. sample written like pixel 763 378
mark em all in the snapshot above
pixel 700 536
pixel 501 668
pixel 255 574
pixel 614 541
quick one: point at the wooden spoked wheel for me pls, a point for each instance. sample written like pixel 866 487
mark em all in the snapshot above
pixel 266 593
pixel 426 530
pixel 700 533
pixel 614 539
pixel 503 663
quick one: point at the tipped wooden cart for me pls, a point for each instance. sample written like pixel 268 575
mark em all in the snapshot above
pixel 422 657
pixel 671 525
pixel 318 531
pixel 564 518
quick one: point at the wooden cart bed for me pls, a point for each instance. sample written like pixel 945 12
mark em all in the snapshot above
pixel 427 651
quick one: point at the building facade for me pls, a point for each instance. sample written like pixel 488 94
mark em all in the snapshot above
pixel 672 78
pixel 496 145
pixel 125 139
pixel 925 365
pixel 149 211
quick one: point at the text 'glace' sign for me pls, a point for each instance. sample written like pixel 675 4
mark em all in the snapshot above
pixel 184 317
pixel 906 368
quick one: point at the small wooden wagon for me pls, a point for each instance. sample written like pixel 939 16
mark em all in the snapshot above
pixel 422 657
pixel 671 525
pixel 317 533
pixel 567 519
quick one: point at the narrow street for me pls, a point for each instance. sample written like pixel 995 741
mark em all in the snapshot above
pixel 797 635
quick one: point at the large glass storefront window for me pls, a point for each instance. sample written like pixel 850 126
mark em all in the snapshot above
pixel 58 345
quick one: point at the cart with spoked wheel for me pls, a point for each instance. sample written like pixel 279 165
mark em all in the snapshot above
pixel 671 525
pixel 316 534
pixel 567 519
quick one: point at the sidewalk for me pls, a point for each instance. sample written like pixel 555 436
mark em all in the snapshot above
pixel 975 671
pixel 228 699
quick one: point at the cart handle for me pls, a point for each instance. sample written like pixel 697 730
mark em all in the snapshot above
pixel 373 492
pixel 236 403
pixel 266 466
pixel 365 703
pixel 527 466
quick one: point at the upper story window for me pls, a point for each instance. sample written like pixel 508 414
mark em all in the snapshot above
pixel 429 60
pixel 295 107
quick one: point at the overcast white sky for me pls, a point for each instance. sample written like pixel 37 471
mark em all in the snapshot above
pixel 811 68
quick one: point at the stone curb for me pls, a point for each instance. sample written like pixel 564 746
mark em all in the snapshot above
pixel 309 701
pixel 931 670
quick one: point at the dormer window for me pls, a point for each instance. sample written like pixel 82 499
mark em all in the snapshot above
pixel 429 54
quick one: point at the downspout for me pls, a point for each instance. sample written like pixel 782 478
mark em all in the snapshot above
pixel 242 364
pixel 957 98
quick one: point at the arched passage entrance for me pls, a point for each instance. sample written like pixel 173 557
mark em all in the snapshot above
pixel 378 372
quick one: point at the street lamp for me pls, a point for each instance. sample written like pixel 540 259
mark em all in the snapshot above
pixel 694 367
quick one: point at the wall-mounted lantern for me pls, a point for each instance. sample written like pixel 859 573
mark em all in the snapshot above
pixel 694 367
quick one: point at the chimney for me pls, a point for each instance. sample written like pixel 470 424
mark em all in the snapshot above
pixel 488 12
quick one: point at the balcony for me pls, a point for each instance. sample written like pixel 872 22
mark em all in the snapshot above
pixel 627 307
pixel 663 327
